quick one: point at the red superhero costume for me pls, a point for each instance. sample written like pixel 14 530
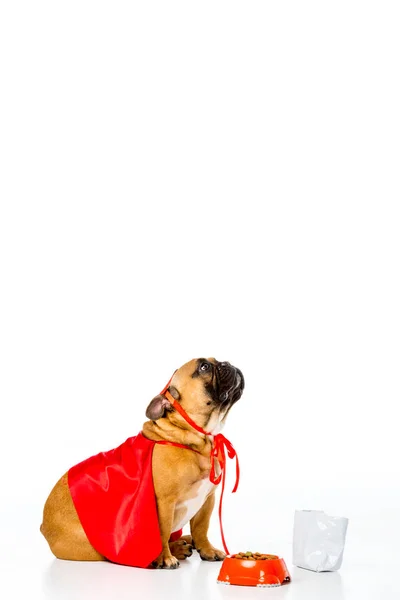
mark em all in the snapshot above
pixel 113 494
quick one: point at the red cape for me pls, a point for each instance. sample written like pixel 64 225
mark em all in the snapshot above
pixel 113 494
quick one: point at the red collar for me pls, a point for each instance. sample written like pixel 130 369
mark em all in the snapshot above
pixel 220 444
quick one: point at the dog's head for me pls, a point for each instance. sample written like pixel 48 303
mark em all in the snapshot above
pixel 206 389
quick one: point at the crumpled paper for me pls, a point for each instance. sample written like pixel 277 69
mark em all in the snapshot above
pixel 318 540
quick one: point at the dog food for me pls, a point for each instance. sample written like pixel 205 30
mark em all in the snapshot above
pixel 253 569
pixel 254 556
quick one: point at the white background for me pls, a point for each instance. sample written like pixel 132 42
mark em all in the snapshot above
pixel 186 179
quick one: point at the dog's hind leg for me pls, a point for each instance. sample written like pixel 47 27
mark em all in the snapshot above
pixel 61 526
pixel 182 548
pixel 187 538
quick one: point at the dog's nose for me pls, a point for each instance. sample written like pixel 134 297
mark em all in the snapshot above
pixel 225 364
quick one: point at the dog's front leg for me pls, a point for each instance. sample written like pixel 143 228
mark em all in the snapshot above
pixel 166 509
pixel 199 529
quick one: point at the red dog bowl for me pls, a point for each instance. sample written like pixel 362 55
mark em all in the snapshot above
pixel 270 572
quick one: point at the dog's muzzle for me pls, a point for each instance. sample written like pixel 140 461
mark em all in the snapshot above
pixel 230 383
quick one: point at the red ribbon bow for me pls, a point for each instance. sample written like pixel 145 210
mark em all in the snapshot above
pixel 218 452
pixel 221 443
pixel 221 446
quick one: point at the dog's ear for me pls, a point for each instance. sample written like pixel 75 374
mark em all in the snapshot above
pixel 157 408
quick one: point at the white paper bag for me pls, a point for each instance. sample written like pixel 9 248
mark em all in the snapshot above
pixel 318 540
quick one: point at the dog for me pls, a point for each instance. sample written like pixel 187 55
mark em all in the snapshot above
pixel 129 505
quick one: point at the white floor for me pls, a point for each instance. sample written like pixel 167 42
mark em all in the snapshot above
pixel 196 579
pixel 370 569
pixel 28 570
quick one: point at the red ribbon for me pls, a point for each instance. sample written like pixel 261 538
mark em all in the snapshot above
pixel 218 451
pixel 220 448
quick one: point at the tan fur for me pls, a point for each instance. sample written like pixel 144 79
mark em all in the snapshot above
pixel 61 526
pixel 177 475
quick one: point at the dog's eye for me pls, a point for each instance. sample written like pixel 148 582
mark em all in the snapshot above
pixel 205 366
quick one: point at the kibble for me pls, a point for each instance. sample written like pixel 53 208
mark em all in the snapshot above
pixel 254 556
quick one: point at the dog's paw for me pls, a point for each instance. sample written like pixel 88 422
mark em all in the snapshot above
pixel 165 561
pixel 210 553
pixel 188 539
pixel 181 549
